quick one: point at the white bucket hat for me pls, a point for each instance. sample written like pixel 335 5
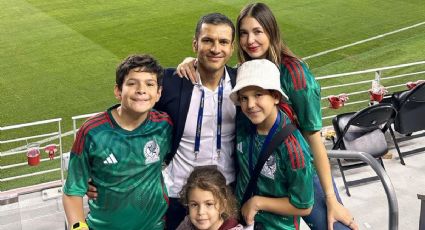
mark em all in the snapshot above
pixel 259 72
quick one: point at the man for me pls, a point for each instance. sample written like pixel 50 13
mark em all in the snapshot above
pixel 203 114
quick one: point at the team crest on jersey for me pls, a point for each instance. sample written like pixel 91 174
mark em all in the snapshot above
pixel 269 168
pixel 151 151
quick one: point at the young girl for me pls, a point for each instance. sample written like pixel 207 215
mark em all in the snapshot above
pixel 284 189
pixel 210 202
pixel 260 37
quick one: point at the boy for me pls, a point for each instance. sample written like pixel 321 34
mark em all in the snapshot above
pixel 284 189
pixel 122 150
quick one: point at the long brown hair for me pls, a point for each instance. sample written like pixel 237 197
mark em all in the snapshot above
pixel 210 179
pixel 262 13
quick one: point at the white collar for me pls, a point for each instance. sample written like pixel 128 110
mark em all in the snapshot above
pixel 199 81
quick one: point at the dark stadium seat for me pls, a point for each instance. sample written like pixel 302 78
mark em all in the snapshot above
pixel 363 131
pixel 410 106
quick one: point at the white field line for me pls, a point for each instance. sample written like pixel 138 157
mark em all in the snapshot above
pixel 363 41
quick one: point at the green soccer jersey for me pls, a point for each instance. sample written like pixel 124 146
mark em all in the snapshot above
pixel 303 91
pixel 287 173
pixel 125 166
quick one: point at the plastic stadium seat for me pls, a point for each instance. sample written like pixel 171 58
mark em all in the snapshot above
pixel 410 106
pixel 363 131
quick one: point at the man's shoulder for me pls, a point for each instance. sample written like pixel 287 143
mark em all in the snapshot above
pixel 231 71
pixel 169 71
pixel 172 80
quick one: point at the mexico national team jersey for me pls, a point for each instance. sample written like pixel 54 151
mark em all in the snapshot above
pixel 303 91
pixel 287 173
pixel 125 166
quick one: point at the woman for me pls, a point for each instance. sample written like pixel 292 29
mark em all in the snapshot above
pixel 259 37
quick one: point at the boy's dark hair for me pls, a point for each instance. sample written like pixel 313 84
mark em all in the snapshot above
pixel 215 19
pixel 144 63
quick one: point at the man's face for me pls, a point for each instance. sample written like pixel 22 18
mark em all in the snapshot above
pixel 214 47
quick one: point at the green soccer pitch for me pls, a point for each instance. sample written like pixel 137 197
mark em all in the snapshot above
pixel 58 57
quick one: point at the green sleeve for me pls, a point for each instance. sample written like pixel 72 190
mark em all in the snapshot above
pixel 299 172
pixel 304 94
pixel 78 173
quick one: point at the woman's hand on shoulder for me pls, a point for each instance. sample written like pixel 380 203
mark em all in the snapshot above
pixel 187 69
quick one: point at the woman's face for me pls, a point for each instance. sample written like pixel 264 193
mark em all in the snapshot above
pixel 253 38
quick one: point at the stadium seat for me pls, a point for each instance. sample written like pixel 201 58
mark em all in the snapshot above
pixel 410 106
pixel 363 131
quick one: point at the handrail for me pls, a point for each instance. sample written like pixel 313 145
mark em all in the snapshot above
pixel 55 135
pixel 383 176
pixel 360 89
pixel 30 124
pixel 371 70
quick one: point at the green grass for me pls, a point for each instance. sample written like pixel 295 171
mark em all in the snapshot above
pixel 58 57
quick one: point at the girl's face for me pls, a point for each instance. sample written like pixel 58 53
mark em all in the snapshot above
pixel 204 210
pixel 253 38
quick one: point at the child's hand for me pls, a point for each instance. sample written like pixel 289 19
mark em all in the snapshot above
pixel 250 209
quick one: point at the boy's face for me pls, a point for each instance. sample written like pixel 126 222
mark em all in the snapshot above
pixel 258 104
pixel 214 46
pixel 139 92
pixel 204 210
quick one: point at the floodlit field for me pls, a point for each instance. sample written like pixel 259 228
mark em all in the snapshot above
pixel 58 57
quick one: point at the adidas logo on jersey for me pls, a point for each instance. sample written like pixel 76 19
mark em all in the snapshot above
pixel 110 159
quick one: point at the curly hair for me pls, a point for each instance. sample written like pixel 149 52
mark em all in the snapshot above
pixel 210 179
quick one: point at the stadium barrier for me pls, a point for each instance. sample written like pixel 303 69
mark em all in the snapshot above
pixel 33 148
pixel 377 75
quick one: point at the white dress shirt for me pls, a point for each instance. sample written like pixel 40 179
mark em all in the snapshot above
pixel 177 172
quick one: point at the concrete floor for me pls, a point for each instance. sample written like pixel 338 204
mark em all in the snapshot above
pixel 368 202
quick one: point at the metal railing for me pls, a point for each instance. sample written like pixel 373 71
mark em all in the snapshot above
pixel 51 136
pixel 383 177
pixel 377 74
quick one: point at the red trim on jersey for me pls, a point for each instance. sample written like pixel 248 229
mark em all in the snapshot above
pixel 300 153
pixel 297 73
pixel 83 127
pixel 290 152
pixel 298 76
pixel 109 120
pixel 303 83
pixel 289 111
pixel 294 81
pixel 289 145
pixel 294 142
pixel 157 116
pixel 91 123
pixel 296 224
